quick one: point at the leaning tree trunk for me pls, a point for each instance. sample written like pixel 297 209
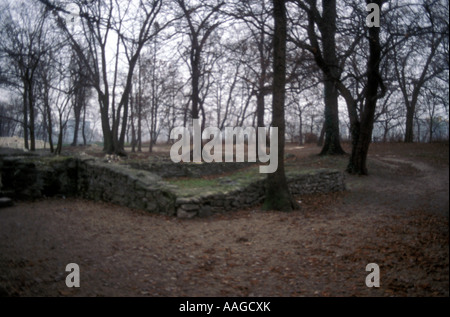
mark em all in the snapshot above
pixel 133 129
pixel 278 196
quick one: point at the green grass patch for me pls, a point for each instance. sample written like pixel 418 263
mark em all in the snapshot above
pixel 195 186
pixel 195 182
pixel 187 187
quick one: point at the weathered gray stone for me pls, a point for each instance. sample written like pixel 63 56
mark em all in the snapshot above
pixel 34 178
pixel 37 177
pixel 184 214
pixel 236 203
pixel 184 200
pixel 205 211
pixel 190 207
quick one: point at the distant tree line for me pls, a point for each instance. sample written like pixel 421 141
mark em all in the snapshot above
pixel 144 67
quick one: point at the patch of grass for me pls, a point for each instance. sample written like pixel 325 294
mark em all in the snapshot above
pixel 187 187
pixel 194 186
pixel 194 182
pixel 252 172
pixel 198 186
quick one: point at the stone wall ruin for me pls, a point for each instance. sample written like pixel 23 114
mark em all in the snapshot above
pixel 25 178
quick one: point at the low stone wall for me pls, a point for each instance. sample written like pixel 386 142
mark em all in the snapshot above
pixel 317 181
pixel 35 177
pixel 125 186
pixel 25 178
pixel 168 169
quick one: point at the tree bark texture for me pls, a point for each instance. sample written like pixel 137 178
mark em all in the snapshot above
pixel 278 196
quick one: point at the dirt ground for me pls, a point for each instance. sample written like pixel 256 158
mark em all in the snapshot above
pixel 397 217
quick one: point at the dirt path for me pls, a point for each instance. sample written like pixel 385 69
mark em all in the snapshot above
pixel 414 184
pixel 397 217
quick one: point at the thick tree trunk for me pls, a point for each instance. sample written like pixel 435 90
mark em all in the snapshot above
pixel 124 102
pixel 409 129
pixel 133 129
pixel 133 138
pixel 431 130
pixel 260 102
pixel 75 132
pixel 121 146
pixel 332 144
pixel 195 98
pixel 60 137
pixel 278 196
pixel 152 129
pixel 108 144
pixel 79 99
pixel 48 114
pixel 153 109
pixel 139 121
pixel 25 117
pixel 31 112
pixel 139 130
pixel 260 109
pixel 50 132
pixel 195 86
pixel 83 131
pixel 362 132
pixel 300 135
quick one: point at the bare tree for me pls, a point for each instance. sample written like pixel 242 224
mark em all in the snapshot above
pixel 10 118
pixel 257 19
pixel 202 19
pixel 435 107
pixel 363 137
pixel 360 89
pixel 415 48
pixel 98 21
pixel 278 196
pixel 81 94
pixel 46 75
pixel 24 44
pixel 323 47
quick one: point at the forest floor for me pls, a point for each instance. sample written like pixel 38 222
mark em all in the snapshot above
pixel 397 217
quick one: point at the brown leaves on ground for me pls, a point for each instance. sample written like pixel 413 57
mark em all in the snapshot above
pixel 397 217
